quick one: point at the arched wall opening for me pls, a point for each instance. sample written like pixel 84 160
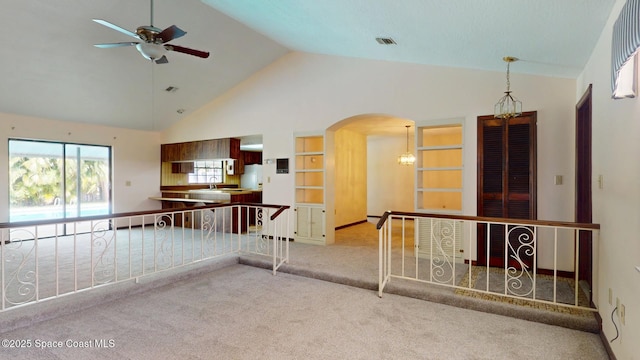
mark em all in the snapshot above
pixel 363 170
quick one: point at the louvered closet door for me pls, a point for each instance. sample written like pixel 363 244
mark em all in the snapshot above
pixel 506 181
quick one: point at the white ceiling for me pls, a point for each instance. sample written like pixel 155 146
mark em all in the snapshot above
pixel 50 69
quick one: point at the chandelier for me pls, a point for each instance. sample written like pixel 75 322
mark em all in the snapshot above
pixel 407 158
pixel 508 106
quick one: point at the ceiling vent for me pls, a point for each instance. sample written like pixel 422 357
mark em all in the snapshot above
pixel 386 41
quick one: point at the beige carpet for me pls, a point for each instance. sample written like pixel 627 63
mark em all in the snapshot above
pixel 353 260
pixel 243 312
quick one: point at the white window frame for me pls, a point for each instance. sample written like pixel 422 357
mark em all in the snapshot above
pixel 211 169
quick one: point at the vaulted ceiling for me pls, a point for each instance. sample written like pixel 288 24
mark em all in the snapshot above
pixel 49 67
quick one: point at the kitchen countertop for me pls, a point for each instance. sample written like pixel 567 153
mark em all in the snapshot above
pixel 232 191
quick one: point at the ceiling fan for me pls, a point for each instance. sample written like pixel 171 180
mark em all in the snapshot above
pixel 153 41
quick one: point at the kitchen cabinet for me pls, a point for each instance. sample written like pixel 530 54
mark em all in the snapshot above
pixel 228 148
pixel 215 149
pixel 182 167
pixel 248 214
pixel 239 166
pixel 252 157
pixel 170 152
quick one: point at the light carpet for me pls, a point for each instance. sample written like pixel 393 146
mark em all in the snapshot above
pixel 243 312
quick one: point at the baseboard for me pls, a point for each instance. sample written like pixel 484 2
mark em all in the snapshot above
pixel 562 274
pixel 270 237
pixel 352 224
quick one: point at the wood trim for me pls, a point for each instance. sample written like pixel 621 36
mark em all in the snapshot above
pixel 567 224
pixel 129 214
pixel 351 224
pixel 562 274
pixel 583 184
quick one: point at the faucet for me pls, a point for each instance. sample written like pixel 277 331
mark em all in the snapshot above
pixel 212 185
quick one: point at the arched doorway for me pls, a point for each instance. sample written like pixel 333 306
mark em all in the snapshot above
pixel 363 169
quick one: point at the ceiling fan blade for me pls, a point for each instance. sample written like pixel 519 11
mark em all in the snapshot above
pixel 184 50
pixel 162 60
pixel 113 45
pixel 170 33
pixel 116 27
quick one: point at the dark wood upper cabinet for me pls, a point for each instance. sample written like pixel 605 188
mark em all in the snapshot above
pixel 252 157
pixel 182 167
pixel 234 148
pixel 170 152
pixel 201 150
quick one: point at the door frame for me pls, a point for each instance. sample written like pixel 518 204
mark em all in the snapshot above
pixel 583 205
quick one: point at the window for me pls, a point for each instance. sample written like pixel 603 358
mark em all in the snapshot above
pixel 52 180
pixel 439 168
pixel 626 82
pixel 207 172
pixel 624 46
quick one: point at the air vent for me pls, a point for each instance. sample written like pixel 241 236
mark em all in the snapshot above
pixel 386 41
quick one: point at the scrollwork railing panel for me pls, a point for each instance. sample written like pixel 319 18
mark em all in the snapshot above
pixel 19 267
pixel 103 252
pixel 443 243
pixel 521 242
pixel 163 241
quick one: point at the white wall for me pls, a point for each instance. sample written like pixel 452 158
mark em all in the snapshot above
pixel 616 207
pixel 136 157
pixel 305 92
pixel 350 177
pixel 390 186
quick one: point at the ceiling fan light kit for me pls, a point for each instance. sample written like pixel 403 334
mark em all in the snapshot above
pixel 153 41
pixel 151 51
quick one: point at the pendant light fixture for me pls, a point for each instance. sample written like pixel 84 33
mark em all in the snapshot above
pixel 407 158
pixel 508 106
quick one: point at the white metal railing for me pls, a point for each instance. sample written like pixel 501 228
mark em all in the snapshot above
pixel 46 259
pixel 537 261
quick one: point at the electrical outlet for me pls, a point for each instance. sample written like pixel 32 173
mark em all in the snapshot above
pixel 618 306
pixel 622 314
pixel 610 296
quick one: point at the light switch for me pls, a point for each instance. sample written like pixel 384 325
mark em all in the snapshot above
pixel 557 180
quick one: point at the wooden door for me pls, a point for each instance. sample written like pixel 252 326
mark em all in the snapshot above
pixel 583 183
pixel 506 184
